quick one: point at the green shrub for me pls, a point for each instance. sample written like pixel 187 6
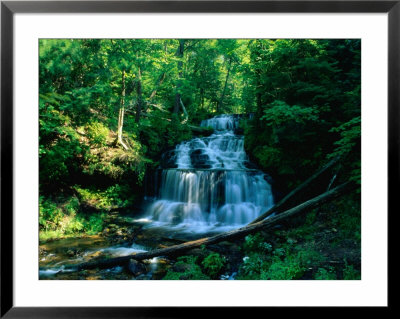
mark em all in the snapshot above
pixel 74 225
pixel 256 243
pixel 95 223
pixel 325 274
pixel 63 218
pixel 50 215
pixel 213 264
pixel 349 273
pixel 97 133
pixel 289 268
pixel 309 257
pixel 253 265
pixel 192 270
pixel 285 263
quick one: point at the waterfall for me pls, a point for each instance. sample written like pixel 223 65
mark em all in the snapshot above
pixel 208 182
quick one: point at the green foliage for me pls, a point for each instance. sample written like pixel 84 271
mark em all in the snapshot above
pixel 113 197
pixel 348 219
pixel 256 243
pixel 309 257
pixel 278 113
pixel 253 265
pixel 307 106
pixel 176 132
pixel 213 264
pixel 349 273
pixel 349 147
pixel 59 145
pixel 50 215
pixel 286 269
pixel 63 217
pixel 284 262
pixel 325 274
pixel 97 133
pixel 192 271
pixel 94 223
pixel 305 95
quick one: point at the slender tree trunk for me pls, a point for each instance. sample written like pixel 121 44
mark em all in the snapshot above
pixel 139 105
pixel 122 113
pixel 202 98
pixel 221 100
pixel 184 112
pixel 179 54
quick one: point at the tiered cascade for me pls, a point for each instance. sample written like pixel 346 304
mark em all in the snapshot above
pixel 207 181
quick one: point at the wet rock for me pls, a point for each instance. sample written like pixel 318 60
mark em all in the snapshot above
pixel 168 159
pixel 199 159
pixel 136 268
pixel 73 252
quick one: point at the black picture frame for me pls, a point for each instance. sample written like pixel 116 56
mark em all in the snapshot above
pixel 9 8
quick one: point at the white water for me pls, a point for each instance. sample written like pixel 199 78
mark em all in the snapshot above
pixel 208 185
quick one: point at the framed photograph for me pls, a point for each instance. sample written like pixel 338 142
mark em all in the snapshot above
pixel 165 157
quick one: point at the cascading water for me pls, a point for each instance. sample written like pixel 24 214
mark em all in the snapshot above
pixel 206 182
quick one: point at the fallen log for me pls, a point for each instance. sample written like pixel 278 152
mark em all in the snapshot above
pixel 240 232
pixel 280 205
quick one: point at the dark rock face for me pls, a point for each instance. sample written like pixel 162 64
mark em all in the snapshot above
pixel 199 159
pixel 250 165
pixel 168 160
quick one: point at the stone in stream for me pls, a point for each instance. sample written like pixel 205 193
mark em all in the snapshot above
pixel 136 268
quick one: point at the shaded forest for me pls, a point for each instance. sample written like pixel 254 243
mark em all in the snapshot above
pixel 110 108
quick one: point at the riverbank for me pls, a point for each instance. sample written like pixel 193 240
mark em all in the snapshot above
pixel 323 244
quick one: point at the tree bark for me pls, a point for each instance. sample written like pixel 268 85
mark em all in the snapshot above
pixel 179 54
pixel 243 231
pixel 121 114
pixel 139 105
pixel 221 100
pixel 279 206
pixel 184 112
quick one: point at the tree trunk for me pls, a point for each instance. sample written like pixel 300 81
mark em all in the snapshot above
pixel 139 105
pixel 121 114
pixel 281 205
pixel 179 54
pixel 184 112
pixel 221 100
pixel 243 231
